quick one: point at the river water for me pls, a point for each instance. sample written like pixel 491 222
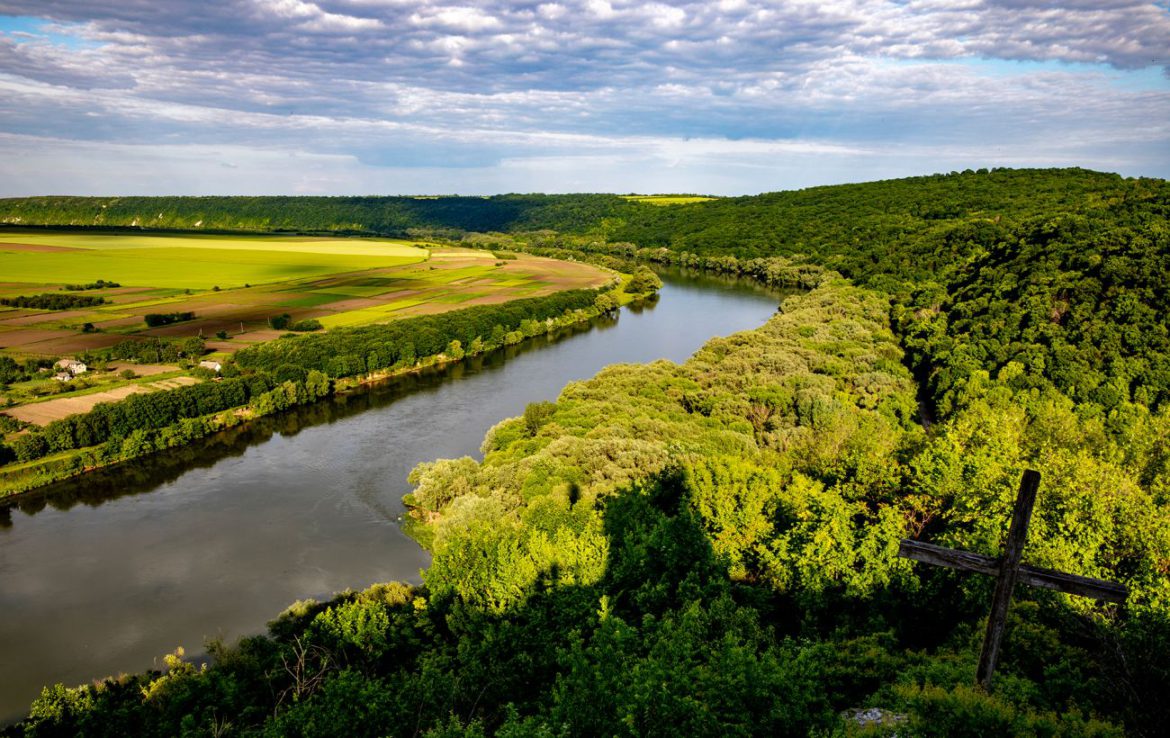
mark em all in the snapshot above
pixel 106 573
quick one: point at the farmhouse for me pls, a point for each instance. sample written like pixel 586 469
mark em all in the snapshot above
pixel 63 376
pixel 214 366
pixel 70 366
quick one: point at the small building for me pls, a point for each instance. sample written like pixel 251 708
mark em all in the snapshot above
pixel 71 366
pixel 63 376
pixel 214 366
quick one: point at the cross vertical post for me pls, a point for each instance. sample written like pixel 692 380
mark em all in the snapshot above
pixel 1009 568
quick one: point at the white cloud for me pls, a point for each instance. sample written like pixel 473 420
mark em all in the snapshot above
pixel 314 18
pixel 477 83
pixel 458 18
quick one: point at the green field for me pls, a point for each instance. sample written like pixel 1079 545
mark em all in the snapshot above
pixel 234 284
pixel 194 262
pixel 667 199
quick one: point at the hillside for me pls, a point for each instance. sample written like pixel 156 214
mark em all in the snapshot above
pixel 710 548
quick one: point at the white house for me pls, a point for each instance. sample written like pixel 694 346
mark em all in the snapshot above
pixel 214 366
pixel 72 366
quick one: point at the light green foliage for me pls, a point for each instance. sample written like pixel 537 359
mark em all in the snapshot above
pixel 1093 516
pixel 787 435
pixel 355 624
pixel 967 712
pixel 438 483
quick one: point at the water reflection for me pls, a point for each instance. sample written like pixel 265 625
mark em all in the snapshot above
pixel 145 474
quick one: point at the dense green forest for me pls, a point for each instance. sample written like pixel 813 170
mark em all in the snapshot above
pixel 371 215
pixel 710 548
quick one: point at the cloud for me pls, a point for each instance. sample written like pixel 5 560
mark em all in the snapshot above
pixel 448 84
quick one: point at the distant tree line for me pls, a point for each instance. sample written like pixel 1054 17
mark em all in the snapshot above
pixel 98 285
pixel 145 411
pixel 52 301
pixel 155 320
pixel 345 352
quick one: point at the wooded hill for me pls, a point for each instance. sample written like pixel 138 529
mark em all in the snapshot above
pixel 710 548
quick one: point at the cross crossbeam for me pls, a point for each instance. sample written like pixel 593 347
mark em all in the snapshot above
pixel 1008 570
pixel 1033 576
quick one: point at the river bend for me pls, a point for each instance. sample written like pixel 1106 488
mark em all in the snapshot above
pixel 106 573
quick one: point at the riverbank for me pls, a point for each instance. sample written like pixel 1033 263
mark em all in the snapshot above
pixel 21 478
pixel 104 573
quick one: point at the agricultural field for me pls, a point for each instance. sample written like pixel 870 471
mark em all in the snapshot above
pixel 234 286
pixel 667 199
pixel 196 262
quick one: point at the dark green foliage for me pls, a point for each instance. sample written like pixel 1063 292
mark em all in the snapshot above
pixel 139 412
pixel 279 322
pixel 12 372
pixel 1077 302
pixel 404 216
pixel 154 320
pixel 52 301
pixel 306 326
pixel 157 350
pixel 348 351
pixel 537 414
pixel 98 285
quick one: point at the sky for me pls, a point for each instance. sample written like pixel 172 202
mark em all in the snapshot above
pixel 724 97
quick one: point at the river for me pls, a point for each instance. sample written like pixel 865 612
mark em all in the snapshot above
pixel 106 573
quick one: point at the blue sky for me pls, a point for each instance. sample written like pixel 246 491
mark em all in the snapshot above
pixel 480 97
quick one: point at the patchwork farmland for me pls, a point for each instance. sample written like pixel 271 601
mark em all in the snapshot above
pixel 234 285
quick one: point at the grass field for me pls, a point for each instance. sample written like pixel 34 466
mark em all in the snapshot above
pixel 337 281
pixel 667 199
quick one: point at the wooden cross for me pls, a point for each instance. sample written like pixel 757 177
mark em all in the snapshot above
pixel 1007 570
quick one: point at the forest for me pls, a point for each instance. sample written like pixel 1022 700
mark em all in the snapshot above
pixel 709 548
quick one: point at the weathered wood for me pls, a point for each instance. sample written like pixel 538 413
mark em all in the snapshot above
pixel 1007 570
pixel 1009 567
pixel 1034 576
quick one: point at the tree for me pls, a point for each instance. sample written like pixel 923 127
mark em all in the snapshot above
pixel 644 281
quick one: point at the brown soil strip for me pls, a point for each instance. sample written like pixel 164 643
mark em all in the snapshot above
pixel 142 370
pixel 43 413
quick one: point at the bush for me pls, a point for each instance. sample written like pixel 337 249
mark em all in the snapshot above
pixel 279 322
pixel 306 326
pixel 644 281
pixel 155 320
